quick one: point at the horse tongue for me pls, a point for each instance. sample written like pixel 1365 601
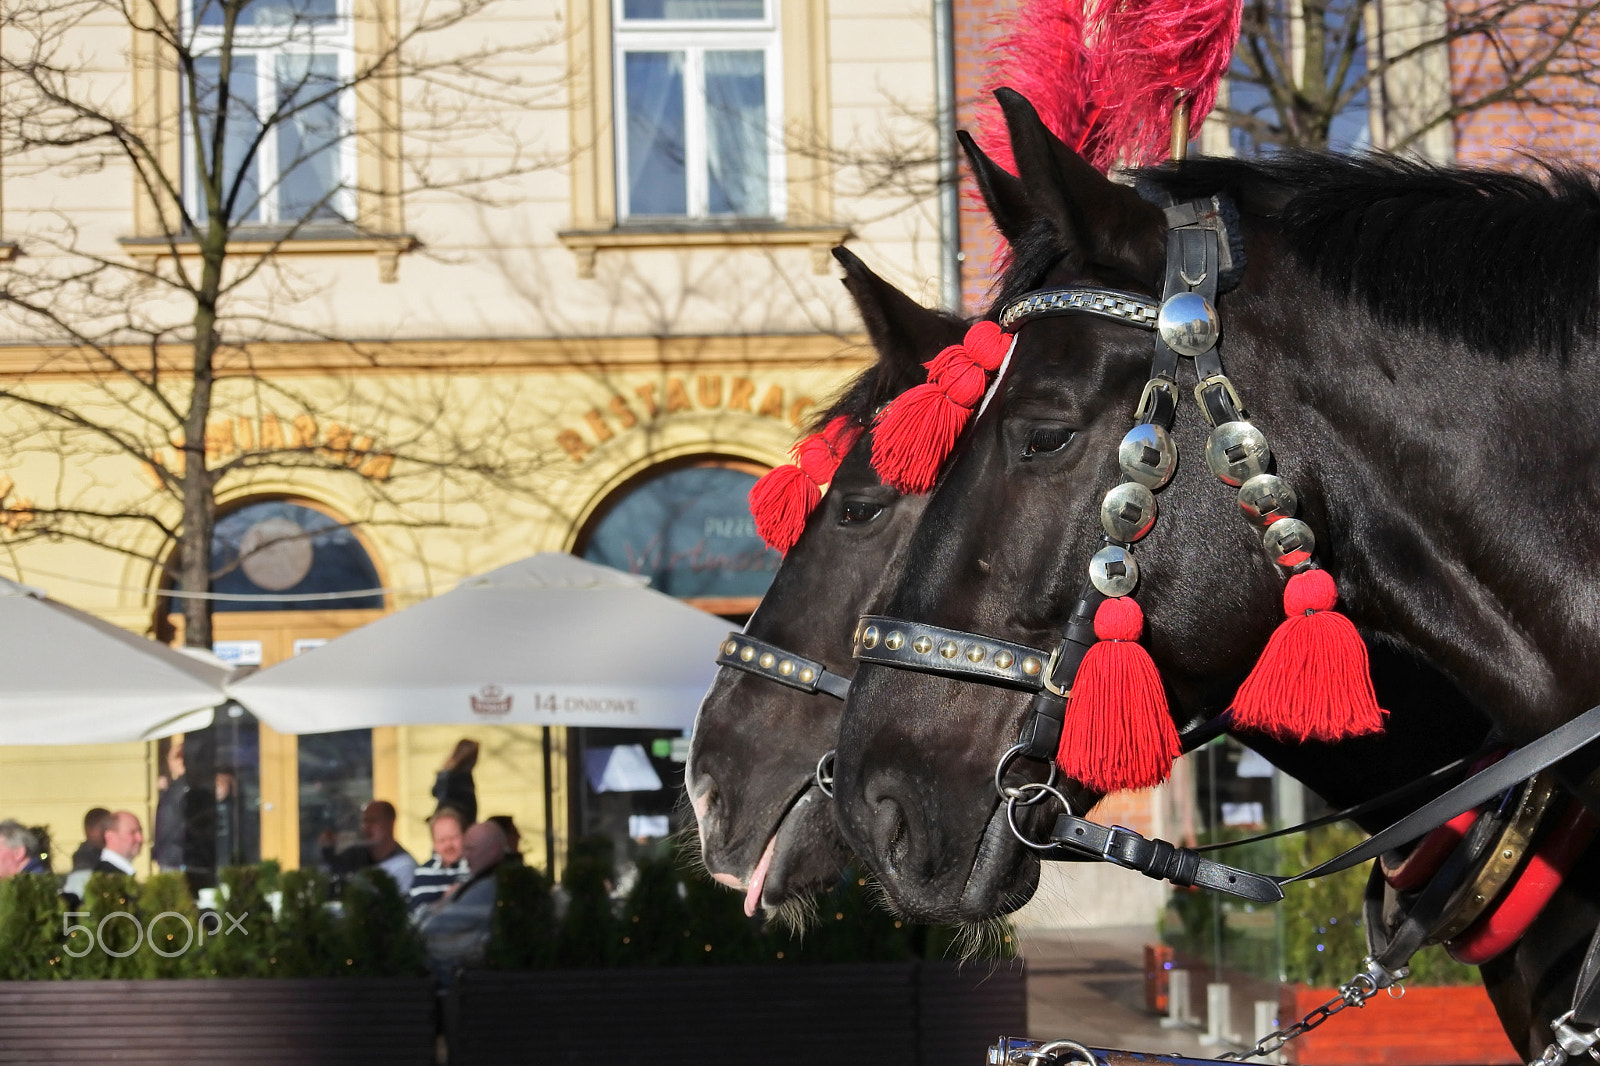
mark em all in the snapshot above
pixel 758 881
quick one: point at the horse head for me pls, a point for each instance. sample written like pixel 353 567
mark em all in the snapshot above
pixel 1003 546
pixel 766 826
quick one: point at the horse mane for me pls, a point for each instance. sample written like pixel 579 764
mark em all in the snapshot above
pixel 1502 261
pixel 859 399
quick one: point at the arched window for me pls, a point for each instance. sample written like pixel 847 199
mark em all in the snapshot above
pixel 689 529
pixel 282 547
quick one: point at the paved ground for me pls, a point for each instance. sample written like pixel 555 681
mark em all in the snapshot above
pixel 1087 985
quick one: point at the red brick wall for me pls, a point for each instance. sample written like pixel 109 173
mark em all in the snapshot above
pixel 1561 121
pixel 978 24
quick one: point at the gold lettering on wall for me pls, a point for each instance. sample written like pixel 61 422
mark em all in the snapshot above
pixel 624 413
pixel 15 511
pixel 601 425
pixel 229 437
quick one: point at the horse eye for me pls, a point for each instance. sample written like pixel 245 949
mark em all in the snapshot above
pixel 859 512
pixel 1046 439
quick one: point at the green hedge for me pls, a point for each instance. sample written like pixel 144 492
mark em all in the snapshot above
pixel 1319 935
pixel 672 917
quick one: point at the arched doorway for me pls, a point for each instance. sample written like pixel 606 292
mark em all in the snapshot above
pixel 278 795
pixel 687 526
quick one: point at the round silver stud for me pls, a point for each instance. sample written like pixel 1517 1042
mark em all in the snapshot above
pixel 1237 452
pixel 1148 455
pixel 1113 571
pixel 922 645
pixel 895 640
pixel 869 638
pixel 729 647
pixel 1128 512
pixel 1003 660
pixel 976 653
pixel 747 653
pixel 1289 541
pixel 807 675
pixel 766 660
pixel 948 649
pixel 1031 666
pixel 1266 498
pixel 786 668
pixel 1188 323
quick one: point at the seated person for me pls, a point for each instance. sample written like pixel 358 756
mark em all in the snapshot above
pixel 447 867
pixel 513 837
pixel 95 824
pixel 378 848
pixel 19 850
pixel 456 928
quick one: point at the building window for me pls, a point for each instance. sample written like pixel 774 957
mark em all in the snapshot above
pixel 280 547
pixel 698 92
pixel 291 62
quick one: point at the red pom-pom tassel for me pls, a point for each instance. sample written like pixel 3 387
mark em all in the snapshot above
pixel 1313 681
pixel 914 434
pixel 783 498
pixel 780 502
pixel 1118 732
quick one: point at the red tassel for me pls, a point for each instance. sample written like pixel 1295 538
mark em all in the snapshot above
pixel 1312 682
pixel 1118 733
pixel 914 434
pixel 784 497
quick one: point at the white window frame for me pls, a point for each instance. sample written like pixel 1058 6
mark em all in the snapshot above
pixel 265 44
pixel 694 38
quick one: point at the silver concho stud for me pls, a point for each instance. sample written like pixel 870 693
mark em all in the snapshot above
pixel 1128 512
pixel 1188 324
pixel 1113 571
pixel 1148 455
pixel 1267 498
pixel 1289 541
pixel 1237 452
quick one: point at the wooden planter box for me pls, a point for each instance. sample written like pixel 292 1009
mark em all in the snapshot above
pixel 1440 1026
pixel 895 1014
pixel 219 1022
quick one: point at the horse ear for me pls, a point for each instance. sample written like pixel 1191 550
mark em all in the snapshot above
pixel 1100 221
pixel 905 333
pixel 1002 193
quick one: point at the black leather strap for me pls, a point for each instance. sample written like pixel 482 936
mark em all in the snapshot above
pixel 1432 904
pixel 1586 996
pixel 1162 860
pixel 1518 766
pixel 755 656
pixel 954 653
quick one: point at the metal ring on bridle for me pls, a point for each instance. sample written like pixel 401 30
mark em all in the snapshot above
pixel 1011 794
pixel 824 773
pixel 1016 800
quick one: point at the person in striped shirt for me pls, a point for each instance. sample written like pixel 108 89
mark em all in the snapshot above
pixel 441 874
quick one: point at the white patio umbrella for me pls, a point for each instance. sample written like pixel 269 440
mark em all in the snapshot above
pixel 67 677
pixel 549 640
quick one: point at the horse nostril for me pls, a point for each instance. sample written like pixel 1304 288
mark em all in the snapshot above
pixel 890 832
pixel 703 796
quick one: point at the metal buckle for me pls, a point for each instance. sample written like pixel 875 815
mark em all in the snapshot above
pixel 1573 1041
pixel 1217 379
pixel 1147 400
pixel 1049 671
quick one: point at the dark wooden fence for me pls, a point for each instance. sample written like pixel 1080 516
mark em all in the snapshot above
pixel 896 1014
pixel 219 1022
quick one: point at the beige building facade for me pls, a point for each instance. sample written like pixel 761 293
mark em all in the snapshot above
pixel 496 318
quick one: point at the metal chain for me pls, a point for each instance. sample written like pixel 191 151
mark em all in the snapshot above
pixel 1353 993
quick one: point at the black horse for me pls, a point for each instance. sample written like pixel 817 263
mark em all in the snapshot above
pixel 765 826
pixel 1419 345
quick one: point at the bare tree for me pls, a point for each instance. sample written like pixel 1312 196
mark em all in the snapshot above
pixel 1416 65
pixel 246 128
